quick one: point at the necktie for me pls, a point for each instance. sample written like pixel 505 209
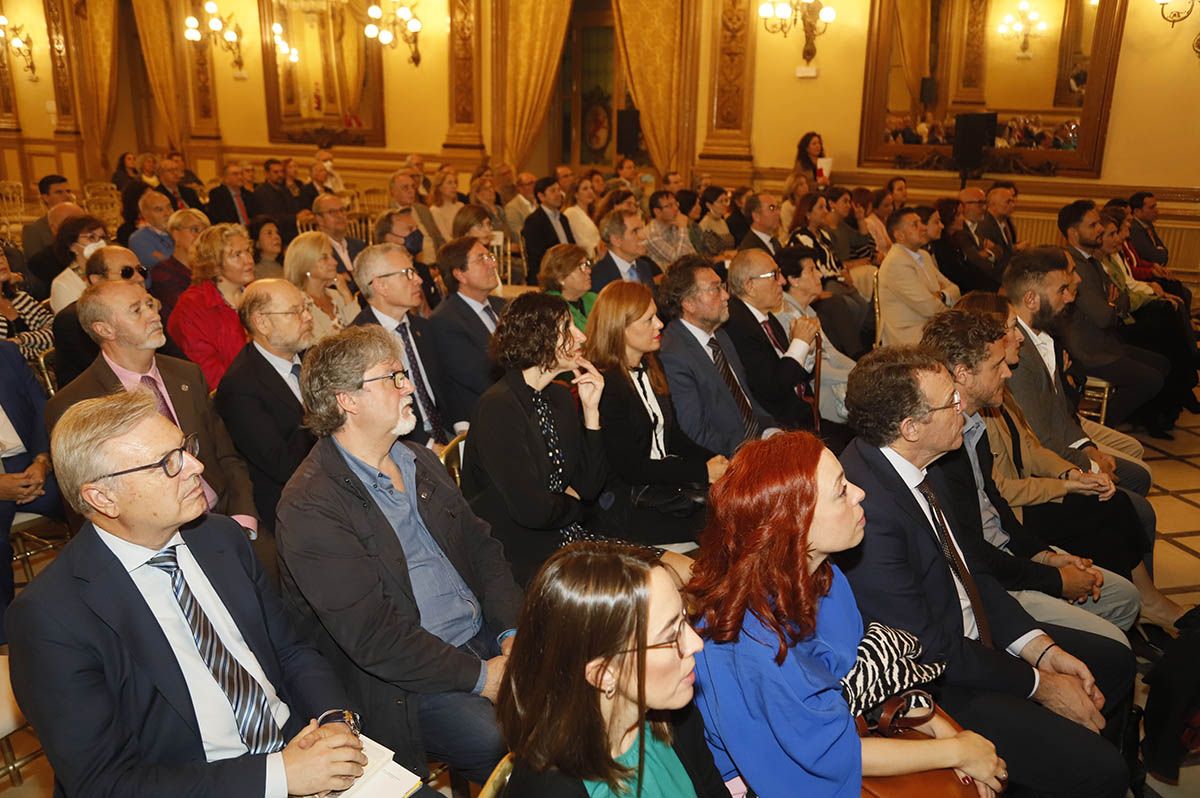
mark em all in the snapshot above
pixel 766 325
pixel 179 203
pixel 164 409
pixel 957 567
pixel 296 374
pixel 745 411
pixel 241 206
pixel 424 397
pixel 491 314
pixel 250 710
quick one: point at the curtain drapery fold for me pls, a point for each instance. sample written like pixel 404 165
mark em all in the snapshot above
pixel 650 38
pixel 912 34
pixel 534 34
pixel 99 80
pixel 154 25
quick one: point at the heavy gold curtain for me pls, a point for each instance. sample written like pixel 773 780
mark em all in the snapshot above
pixel 99 80
pixel 912 35
pixel 156 31
pixel 534 32
pixel 649 36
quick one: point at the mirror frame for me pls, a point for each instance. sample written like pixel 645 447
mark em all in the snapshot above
pixel 316 133
pixel 1085 161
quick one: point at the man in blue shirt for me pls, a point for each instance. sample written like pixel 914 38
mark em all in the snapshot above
pixel 152 243
pixel 402 585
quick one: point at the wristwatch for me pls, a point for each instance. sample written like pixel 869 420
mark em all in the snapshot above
pixel 351 719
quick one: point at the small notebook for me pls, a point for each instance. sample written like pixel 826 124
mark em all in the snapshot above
pixel 382 777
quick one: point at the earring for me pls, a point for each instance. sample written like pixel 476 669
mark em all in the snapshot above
pixel 610 692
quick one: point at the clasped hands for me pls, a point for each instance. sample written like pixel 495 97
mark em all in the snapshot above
pixel 25 486
pixel 1066 686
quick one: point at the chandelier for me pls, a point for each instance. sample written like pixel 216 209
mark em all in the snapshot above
pixel 395 24
pixel 226 33
pixel 811 15
pixel 1026 24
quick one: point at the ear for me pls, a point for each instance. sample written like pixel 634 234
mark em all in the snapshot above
pixel 600 675
pixel 347 403
pixel 960 373
pixel 100 499
pixel 104 330
pixel 910 429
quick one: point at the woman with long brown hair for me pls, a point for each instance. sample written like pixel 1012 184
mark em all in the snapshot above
pixel 596 698
pixel 782 674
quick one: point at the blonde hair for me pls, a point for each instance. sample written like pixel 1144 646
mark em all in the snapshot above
pixel 82 434
pixel 181 217
pixel 302 256
pixel 435 185
pixel 208 253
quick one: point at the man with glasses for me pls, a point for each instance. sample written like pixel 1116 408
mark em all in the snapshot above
pixel 153 658
pixel 123 319
pixel 980 252
pixel 517 209
pixel 392 287
pixel 231 201
pixel 911 288
pixel 709 387
pixel 463 324
pixel 1030 688
pixel 170 176
pixel 403 188
pixel 259 396
pixel 333 220
pixel 624 234
pixel 666 241
pixel 386 565
pixel 152 243
pixel 762 211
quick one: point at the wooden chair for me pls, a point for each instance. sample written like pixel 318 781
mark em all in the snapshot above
pixel 375 200
pixel 11 720
pixel 452 457
pixel 1093 401
pixel 350 197
pixel 496 782
pixel 12 199
pixel 107 208
pixel 45 371
pixel 359 226
pixel 306 226
pixel 96 188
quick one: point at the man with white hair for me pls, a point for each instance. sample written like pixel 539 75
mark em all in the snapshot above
pixel 153 243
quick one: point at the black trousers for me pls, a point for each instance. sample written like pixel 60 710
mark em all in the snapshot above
pixel 1137 376
pixel 1047 754
pixel 1109 533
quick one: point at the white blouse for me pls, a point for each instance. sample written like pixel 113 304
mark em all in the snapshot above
pixel 658 444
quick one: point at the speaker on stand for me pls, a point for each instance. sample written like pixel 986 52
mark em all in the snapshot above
pixel 973 133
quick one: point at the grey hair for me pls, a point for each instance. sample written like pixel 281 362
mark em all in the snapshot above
pixel 336 365
pixel 371 262
pixel 740 269
pixel 613 224
pixel 93 306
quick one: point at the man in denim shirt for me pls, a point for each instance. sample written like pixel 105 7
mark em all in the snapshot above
pixel 380 556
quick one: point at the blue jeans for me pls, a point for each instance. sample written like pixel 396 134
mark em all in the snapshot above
pixel 460 728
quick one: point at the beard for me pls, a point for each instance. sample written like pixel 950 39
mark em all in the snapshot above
pixel 1046 320
pixel 407 422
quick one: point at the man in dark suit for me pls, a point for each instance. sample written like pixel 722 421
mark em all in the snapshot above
pixel 27 483
pixel 996 225
pixel 170 172
pixel 709 386
pixel 762 210
pixel 392 287
pixel 123 319
pixel 1029 688
pixel 329 210
pixel 545 227
pixel 624 233
pixel 230 202
pixel 195 680
pixel 463 324
pixel 779 363
pixel 979 252
pixel 274 199
pixel 259 396
pixel 37 235
pixel 382 559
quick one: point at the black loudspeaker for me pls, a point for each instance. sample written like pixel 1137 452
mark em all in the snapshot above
pixel 928 92
pixel 629 130
pixel 972 133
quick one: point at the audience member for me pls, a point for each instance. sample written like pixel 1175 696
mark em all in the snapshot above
pixel 76 239
pixel 319 183
pixel 131 215
pixel 147 165
pixel 881 208
pixel 689 210
pixel 47 263
pixel 709 385
pixel 809 150
pixel 523 201
pixel 23 320
pixel 673 182
pixel 626 170
pixel 911 289
pixel 716 235
pixel 795 187
pixel 231 202
pixel 464 322
pixel 273 199
pixel 956 253
pixel 666 240
pixel 603 641
pixel 37 235
pixel 787 663
pixel 267 246
pixel 567 272
pixel 762 211
pixel 996 225
pixel 170 177
pixel 545 227
pixel 199 682
pixel 613 199
pixel 187 176
pixel 392 288
pixel 1016 682
pixel 624 234
pixel 483 195
pixel 1148 248
pixel 204 323
pixel 331 217
pixel 415 163
pixel 333 181
pixel 980 252
pixel 739 222
pixel 399 226
pixel 126 171
pixel 152 243
pixel 897 188
pixel 579 217
pixel 403 188
pixel 173 276
pixel 475 222
pixel 443 205
pixel 310 265
pixel 854 248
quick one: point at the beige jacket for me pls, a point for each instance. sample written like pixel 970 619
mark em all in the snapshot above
pixel 909 295
pixel 1039 480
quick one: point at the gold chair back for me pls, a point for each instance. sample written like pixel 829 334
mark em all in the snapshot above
pixel 375 200
pixel 499 779
pixel 452 457
pixel 12 199
pixel 107 208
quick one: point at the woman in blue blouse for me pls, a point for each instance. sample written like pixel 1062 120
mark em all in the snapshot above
pixel 781 630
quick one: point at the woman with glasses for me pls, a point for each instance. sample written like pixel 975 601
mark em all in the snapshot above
pixel 715 235
pixel 566 271
pixel 173 276
pixel 597 697
pixel 23 320
pixel 75 240
pixel 782 674
pixel 310 266
pixel 205 322
pixel 658 477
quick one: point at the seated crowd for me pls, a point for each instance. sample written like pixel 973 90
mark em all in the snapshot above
pixel 747 467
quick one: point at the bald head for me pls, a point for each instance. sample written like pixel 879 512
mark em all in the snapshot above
pixel 61 213
pixel 277 316
pixel 974 204
pixel 112 263
pixel 746 265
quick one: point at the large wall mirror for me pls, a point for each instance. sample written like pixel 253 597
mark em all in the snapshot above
pixel 1045 67
pixel 330 91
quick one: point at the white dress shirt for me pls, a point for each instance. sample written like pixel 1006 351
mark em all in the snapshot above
pixel 556 221
pixel 798 349
pixel 478 308
pixel 704 337
pixel 658 443
pixel 284 367
pixel 766 238
pixel 625 268
pixel 214 713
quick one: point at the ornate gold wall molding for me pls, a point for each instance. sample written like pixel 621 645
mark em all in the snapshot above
pixel 727 151
pixel 60 65
pixel 197 64
pixel 464 139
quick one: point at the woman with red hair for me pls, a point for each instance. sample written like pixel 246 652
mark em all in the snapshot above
pixel 786 667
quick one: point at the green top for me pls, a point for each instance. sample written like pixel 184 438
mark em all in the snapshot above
pixel 580 317
pixel 663 775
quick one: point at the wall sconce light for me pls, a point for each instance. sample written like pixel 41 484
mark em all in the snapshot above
pixel 223 30
pixel 398 23
pixel 284 49
pixel 782 17
pixel 1026 24
pixel 21 45
pixel 1175 16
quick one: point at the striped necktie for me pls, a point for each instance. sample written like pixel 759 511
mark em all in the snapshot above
pixel 258 729
pixel 745 411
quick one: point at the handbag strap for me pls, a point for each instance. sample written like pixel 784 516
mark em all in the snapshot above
pixel 892 719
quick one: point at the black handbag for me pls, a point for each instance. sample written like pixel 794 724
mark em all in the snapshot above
pixel 673 500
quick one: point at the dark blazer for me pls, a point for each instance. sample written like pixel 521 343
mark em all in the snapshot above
pixel 74 349
pixel 462 344
pixel 187 194
pixel 1090 328
pixel 773 379
pixel 23 400
pixel 538 234
pixel 959 258
pixel 739 225
pixel 353 246
pixel 93 671
pixel 265 421
pixel 506 470
pixel 605 271
pixel 900 578
pixel 707 412
pixel 280 205
pixel 221 207
pixel 1147 244
pixel 1046 405
pixel 751 241
pixel 45 265
pixel 423 340
pixel 224 469
pixel 989 228
pixel 687 739
pixel 344 575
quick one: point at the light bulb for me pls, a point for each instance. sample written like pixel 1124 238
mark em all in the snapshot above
pixel 1023 5
pixel 3 21
pixel 294 57
pixel 1033 16
pixel 371 31
pixel 1041 26
pixel 783 10
pixel 766 10
pixel 404 12
pixel 1018 27
pixel 414 25
pixel 374 12
pixel 210 7
pixel 17 44
pixel 277 29
pixel 827 14
pixel 386 37
pixel 230 35
pixel 215 23
pixel 192 22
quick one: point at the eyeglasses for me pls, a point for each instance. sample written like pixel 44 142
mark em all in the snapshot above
pixel 956 404
pixel 585 265
pixel 90 238
pixel 771 275
pixel 711 288
pixel 488 257
pixel 409 274
pixel 307 307
pixel 772 207
pixel 127 272
pixel 398 378
pixel 676 642
pixel 171 462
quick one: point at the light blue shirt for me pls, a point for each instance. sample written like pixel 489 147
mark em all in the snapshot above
pixel 478 308
pixel 284 368
pixel 146 241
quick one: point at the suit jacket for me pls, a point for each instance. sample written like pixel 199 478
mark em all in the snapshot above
pixel 1090 329
pixel 462 344
pixel 74 349
pixel 344 575
pixel 1144 238
pixel 605 271
pixel 23 401
pixel 773 379
pixel 751 241
pixel 224 469
pixel 1046 406
pixel 36 236
pixel 989 228
pixel 265 421
pixel 93 670
pixel 538 234
pixel 706 410
pixel 900 578
pixel 961 260
pixel 354 246
pixel 221 207
pixel 908 295
pixel 187 194
pixel 423 340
